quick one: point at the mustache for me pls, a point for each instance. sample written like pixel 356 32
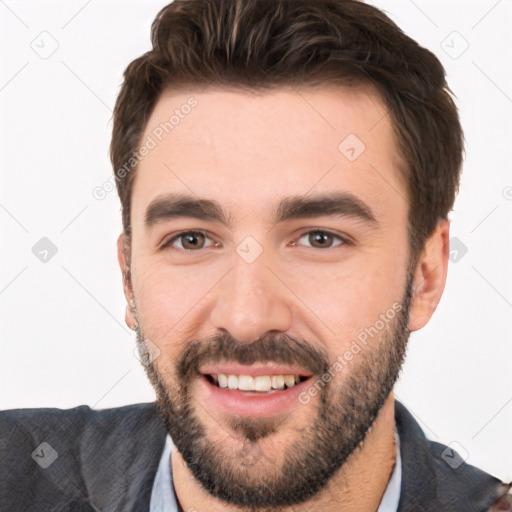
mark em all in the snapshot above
pixel 281 348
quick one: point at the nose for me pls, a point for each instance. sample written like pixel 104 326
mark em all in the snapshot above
pixel 251 302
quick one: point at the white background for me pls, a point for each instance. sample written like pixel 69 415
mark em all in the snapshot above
pixel 64 342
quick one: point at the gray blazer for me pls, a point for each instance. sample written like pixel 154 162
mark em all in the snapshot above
pixel 107 460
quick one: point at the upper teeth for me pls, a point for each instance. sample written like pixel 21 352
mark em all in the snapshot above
pixel 259 383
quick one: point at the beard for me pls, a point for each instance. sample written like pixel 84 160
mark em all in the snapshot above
pixel 346 409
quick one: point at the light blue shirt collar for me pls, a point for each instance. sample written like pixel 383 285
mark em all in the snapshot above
pixel 163 497
pixel 391 497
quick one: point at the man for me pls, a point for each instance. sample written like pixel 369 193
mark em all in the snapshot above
pixel 285 169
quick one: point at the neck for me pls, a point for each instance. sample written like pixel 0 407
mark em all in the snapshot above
pixel 358 486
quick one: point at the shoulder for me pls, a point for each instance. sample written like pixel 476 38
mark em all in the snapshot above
pixel 29 425
pixel 67 427
pixel 459 481
pixel 82 414
pixel 73 454
pixel 436 477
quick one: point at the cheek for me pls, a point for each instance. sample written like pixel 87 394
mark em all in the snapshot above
pixel 349 298
pixel 169 297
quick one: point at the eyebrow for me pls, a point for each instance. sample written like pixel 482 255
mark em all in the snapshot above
pixel 170 206
pixel 340 204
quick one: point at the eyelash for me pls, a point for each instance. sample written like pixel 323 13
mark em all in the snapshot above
pixel 342 239
pixel 170 241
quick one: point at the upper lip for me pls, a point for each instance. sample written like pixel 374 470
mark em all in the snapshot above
pixel 254 370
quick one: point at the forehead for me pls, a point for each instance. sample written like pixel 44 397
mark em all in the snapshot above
pixel 247 148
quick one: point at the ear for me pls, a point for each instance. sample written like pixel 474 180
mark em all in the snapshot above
pixel 430 276
pixel 124 259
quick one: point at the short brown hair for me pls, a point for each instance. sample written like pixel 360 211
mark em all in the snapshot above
pixel 261 44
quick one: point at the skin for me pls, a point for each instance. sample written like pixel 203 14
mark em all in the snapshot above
pixel 248 151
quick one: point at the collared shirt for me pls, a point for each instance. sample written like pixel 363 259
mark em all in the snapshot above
pixel 163 498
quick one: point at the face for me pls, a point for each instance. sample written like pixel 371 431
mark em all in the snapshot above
pixel 268 261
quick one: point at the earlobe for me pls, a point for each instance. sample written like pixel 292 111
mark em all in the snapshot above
pixel 430 276
pixel 124 259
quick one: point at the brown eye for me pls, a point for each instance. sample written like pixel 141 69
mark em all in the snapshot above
pixel 189 241
pixel 322 239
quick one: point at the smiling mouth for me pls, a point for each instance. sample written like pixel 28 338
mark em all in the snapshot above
pixel 261 384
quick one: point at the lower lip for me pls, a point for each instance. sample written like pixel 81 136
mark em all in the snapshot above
pixel 236 402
